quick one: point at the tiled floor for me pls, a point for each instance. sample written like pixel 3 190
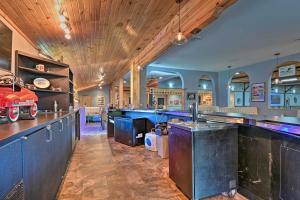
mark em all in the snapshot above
pixel 103 169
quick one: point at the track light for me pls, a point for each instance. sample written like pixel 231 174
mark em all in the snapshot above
pixel 68 36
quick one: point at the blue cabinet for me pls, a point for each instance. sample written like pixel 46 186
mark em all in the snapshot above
pixel 46 155
pixel 11 167
pixel 38 164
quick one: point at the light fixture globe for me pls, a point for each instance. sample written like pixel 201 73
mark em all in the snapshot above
pixel 180 39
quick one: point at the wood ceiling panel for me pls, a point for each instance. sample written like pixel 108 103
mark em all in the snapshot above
pixel 105 33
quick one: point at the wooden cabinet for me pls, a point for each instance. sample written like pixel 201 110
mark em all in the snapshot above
pixel 46 154
pixel 11 167
pixel 39 165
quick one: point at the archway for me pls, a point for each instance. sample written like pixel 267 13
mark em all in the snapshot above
pixel 239 90
pixel 206 91
pixel 165 90
pixel 284 86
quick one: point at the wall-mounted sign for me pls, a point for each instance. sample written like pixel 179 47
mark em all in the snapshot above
pixel 258 92
pixel 286 71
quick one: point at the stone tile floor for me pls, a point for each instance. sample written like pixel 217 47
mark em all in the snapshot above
pixel 104 169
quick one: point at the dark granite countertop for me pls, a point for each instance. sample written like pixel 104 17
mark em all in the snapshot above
pixel 167 112
pixel 260 118
pixel 200 126
pixel 12 131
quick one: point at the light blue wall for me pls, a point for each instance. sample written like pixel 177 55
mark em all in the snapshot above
pixel 177 83
pixel 190 81
pixel 96 92
pixel 258 73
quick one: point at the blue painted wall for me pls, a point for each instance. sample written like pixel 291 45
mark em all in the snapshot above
pixel 175 82
pixel 258 73
pixel 95 92
pixel 190 81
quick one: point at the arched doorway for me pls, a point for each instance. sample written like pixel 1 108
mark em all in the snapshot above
pixel 165 90
pixel 239 90
pixel 284 86
pixel 205 93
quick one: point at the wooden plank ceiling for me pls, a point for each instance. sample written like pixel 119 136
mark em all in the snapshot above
pixel 105 33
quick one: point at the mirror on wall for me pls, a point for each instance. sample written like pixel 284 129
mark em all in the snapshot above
pixel 164 90
pixel 284 86
pixel 239 90
pixel 205 93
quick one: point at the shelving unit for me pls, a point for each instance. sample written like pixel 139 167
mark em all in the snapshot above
pixel 59 75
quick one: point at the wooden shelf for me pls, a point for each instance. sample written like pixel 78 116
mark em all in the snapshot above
pixel 50 91
pixel 42 60
pixel 59 74
pixel 41 72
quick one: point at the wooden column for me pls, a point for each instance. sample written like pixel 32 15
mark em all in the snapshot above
pixel 111 94
pixel 121 93
pixel 135 86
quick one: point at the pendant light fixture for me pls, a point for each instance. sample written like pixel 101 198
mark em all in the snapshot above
pixel 180 38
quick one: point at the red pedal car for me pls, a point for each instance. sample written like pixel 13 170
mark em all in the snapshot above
pixel 15 99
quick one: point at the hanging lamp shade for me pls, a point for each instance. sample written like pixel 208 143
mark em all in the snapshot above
pixel 179 38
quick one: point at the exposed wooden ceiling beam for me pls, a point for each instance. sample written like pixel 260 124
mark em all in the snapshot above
pixel 196 14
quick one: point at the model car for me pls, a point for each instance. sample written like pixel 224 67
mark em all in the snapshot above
pixel 15 99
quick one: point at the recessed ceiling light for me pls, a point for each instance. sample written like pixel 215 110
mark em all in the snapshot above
pixel 67 36
pixel 62 18
pixel 67 30
pixel 63 26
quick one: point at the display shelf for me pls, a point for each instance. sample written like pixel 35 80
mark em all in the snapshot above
pixel 60 76
pixel 34 71
pixel 41 60
pixel 50 91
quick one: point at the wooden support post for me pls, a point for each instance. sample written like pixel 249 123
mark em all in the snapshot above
pixel 121 93
pixel 135 86
pixel 111 95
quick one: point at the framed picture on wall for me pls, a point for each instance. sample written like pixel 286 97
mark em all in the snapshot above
pixel 258 92
pixel 191 96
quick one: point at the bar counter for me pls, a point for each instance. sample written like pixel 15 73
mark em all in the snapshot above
pixel 268 154
pixel 280 124
pixel 35 154
pixel 157 116
pixel 12 131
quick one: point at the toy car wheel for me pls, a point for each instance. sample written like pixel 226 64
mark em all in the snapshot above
pixel 33 110
pixel 13 113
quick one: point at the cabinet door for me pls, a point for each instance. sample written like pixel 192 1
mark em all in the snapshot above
pixel 58 153
pixel 38 165
pixel 255 162
pixel 73 130
pixel 180 159
pixel 11 167
pixel 289 177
